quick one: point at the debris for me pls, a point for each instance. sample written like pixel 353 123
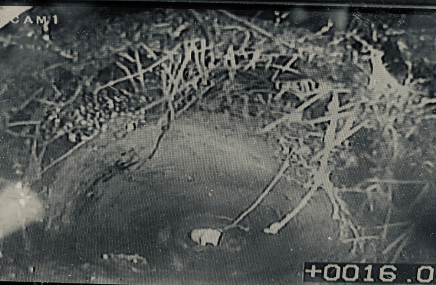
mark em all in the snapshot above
pixel 123 258
pixel 86 265
pixel 273 229
pixel 204 237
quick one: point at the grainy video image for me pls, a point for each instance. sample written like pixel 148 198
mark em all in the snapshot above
pixel 143 145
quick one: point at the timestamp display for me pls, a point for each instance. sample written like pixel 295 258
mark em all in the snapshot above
pixel 375 273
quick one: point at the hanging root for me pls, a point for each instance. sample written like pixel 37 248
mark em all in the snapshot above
pixel 268 189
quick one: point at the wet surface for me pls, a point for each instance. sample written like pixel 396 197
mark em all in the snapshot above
pixel 151 211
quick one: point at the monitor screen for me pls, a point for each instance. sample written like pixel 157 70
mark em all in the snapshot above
pixel 217 143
